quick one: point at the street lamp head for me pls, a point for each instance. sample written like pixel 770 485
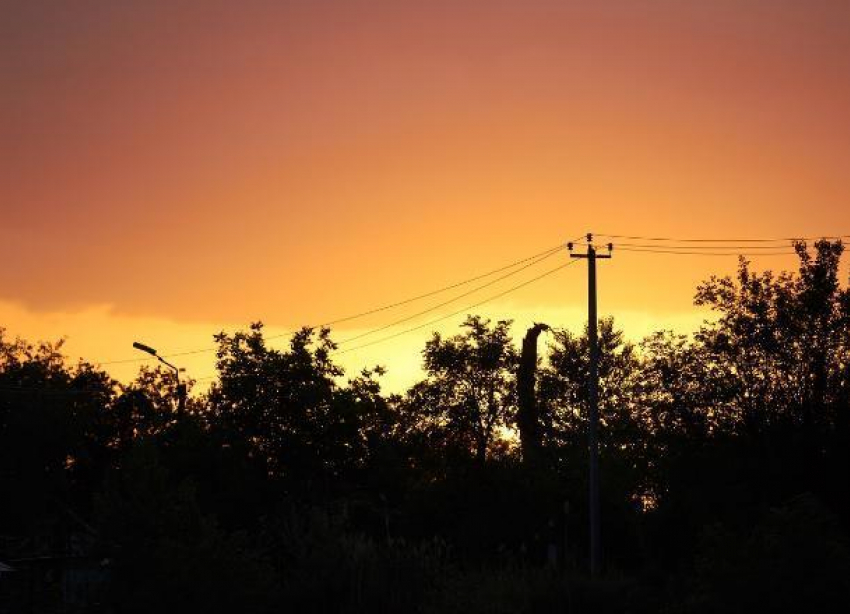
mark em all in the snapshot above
pixel 181 388
pixel 145 348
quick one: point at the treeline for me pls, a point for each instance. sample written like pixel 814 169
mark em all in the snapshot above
pixel 286 487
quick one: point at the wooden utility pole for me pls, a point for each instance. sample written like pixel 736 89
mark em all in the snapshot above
pixel 593 404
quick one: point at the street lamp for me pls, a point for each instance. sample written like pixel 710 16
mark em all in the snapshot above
pixel 181 388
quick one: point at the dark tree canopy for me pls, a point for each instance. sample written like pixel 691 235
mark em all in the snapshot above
pixel 469 393
pixel 289 486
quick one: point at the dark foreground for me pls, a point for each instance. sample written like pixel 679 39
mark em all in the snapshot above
pixel 287 488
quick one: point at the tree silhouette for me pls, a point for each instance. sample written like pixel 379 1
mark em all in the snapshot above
pixel 289 486
pixel 469 392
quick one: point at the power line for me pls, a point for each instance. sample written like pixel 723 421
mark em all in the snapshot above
pixel 48 390
pixel 701 247
pixel 442 318
pixel 664 247
pixel 704 249
pixel 539 255
pixel 448 302
pixel 700 253
pixel 724 240
pixel 459 311
pixel 172 355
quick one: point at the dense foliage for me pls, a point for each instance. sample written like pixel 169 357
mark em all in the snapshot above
pixel 287 487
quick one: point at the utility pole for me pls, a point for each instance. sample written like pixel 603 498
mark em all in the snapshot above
pixel 593 404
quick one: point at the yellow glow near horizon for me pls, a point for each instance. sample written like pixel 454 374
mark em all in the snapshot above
pixel 174 169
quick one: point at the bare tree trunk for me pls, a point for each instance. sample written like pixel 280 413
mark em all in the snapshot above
pixel 528 419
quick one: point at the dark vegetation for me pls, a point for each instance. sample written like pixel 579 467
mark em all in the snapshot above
pixel 287 488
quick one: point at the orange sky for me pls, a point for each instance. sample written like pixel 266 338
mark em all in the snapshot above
pixel 170 169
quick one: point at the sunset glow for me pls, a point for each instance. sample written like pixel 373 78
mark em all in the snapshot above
pixel 171 170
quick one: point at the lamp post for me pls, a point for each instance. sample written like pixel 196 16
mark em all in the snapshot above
pixel 181 388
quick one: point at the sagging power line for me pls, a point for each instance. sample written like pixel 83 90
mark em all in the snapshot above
pixel 448 302
pixel 716 247
pixel 533 259
pixel 460 311
pixel 444 317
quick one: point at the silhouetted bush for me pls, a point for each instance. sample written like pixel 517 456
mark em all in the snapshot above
pixel 796 559
pixel 327 569
pixel 516 589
